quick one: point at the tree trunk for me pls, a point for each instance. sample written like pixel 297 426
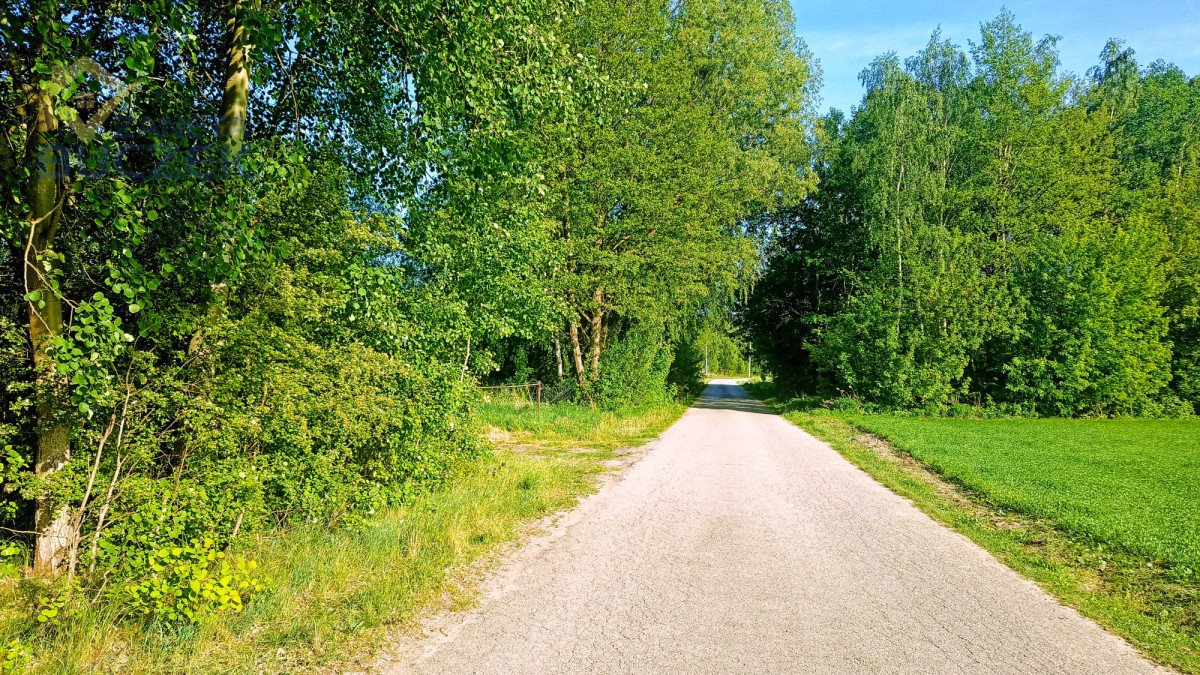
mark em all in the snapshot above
pixel 234 102
pixel 45 324
pixel 596 334
pixel 596 331
pixel 231 128
pixel 577 353
pixel 558 357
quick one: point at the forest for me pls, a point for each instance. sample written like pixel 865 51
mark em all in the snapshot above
pixel 989 232
pixel 259 256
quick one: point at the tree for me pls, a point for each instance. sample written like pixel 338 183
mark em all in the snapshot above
pixel 1153 114
pixel 701 127
pixel 976 238
pixel 132 236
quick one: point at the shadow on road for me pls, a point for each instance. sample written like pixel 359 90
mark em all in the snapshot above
pixel 730 397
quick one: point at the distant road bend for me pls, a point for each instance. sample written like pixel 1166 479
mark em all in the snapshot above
pixel 740 543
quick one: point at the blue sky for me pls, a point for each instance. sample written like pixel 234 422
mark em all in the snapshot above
pixel 846 34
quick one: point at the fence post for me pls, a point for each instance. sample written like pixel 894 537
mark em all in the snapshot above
pixel 539 395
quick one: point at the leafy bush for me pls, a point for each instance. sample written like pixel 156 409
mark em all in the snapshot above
pixel 12 559
pixel 16 408
pixel 14 656
pixel 50 608
pixel 193 582
pixel 963 410
pixel 846 404
pixel 687 369
pixel 301 392
pixel 635 369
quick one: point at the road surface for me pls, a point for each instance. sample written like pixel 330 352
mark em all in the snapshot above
pixel 739 543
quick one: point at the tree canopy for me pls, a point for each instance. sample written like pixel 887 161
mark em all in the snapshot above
pixel 989 230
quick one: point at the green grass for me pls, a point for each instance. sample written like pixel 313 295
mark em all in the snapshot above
pixel 565 425
pixel 1134 483
pixel 335 595
pixel 1151 600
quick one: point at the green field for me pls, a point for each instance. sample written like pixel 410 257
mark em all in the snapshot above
pixel 1133 483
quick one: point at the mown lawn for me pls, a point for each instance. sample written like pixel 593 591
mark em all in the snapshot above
pixel 335 595
pixel 1134 483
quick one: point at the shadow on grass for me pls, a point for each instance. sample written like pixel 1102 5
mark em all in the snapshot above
pixel 785 400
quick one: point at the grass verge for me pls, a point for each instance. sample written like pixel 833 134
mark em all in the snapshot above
pixel 336 593
pixel 1130 482
pixel 1150 601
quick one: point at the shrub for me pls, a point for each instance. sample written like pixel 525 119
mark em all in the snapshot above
pixel 847 404
pixel 684 376
pixel 12 559
pixel 635 369
pixel 14 656
pixel 303 389
pixel 192 582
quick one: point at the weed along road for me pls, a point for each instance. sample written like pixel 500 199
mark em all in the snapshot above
pixel 739 543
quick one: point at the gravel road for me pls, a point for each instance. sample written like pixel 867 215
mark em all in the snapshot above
pixel 739 543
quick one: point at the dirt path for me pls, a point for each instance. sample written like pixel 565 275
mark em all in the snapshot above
pixel 739 543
